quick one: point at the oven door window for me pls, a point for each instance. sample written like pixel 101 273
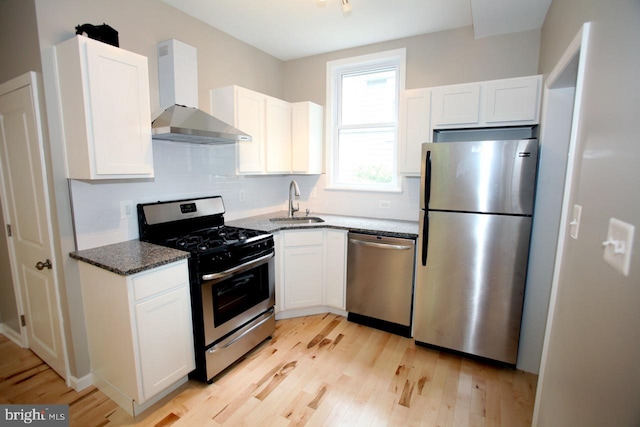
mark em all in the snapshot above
pixel 238 293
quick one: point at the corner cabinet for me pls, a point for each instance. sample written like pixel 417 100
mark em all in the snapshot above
pixel 311 272
pixel 303 256
pixel 506 102
pixel 104 95
pixel 139 331
pixel 284 135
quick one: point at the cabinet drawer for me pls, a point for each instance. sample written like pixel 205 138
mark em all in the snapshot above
pixel 303 238
pixel 160 280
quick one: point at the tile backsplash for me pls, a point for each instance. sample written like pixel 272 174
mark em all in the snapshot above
pixel 190 170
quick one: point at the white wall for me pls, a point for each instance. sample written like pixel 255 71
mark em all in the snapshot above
pixel 182 171
pixel 590 374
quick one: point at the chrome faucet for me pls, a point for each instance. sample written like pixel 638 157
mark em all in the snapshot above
pixel 293 186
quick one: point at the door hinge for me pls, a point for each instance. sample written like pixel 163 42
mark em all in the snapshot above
pixel 9 230
pixel 23 320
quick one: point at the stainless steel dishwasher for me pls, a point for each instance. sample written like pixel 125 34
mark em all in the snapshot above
pixel 380 272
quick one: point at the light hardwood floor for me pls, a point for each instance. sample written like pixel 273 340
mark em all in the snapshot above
pixel 317 370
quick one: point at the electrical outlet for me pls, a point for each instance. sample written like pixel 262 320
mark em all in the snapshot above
pixel 126 209
pixel 241 195
pixel 385 204
pixel 618 246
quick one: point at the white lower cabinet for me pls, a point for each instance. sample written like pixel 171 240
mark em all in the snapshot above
pixel 311 271
pixel 303 255
pixel 139 332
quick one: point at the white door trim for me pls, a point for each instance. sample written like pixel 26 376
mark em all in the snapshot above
pixel 572 63
pixel 31 79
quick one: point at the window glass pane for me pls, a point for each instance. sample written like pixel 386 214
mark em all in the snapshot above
pixel 366 156
pixel 368 97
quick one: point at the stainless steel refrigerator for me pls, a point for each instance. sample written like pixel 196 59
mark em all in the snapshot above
pixel 475 221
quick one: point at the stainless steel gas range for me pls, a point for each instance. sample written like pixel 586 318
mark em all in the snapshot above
pixel 231 277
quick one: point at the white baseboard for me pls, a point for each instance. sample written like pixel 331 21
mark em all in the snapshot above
pixel 79 384
pixel 12 335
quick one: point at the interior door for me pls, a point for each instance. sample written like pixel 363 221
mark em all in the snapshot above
pixel 26 208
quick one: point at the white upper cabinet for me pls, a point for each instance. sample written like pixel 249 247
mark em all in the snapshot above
pixel 506 102
pixel 307 122
pixel 278 131
pixel 495 103
pixel 285 136
pixel 414 129
pixel 456 105
pixel 104 93
pixel 513 100
pixel 249 116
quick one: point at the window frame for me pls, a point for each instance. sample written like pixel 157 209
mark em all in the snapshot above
pixel 335 69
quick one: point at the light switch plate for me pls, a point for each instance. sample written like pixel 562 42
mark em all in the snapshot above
pixel 619 245
pixel 574 225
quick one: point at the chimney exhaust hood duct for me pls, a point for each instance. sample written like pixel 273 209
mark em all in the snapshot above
pixel 178 80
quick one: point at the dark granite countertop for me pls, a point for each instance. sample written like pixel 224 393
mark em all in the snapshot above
pixel 387 227
pixel 130 257
pixel 134 256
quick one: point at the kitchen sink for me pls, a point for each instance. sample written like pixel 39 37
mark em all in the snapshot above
pixel 297 220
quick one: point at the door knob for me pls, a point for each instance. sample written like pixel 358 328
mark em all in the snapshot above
pixel 41 265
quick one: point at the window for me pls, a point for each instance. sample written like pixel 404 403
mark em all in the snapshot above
pixel 362 98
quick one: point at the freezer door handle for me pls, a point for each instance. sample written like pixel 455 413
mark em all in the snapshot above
pixel 425 237
pixel 427 180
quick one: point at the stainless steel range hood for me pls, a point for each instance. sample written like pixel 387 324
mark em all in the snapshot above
pixel 179 122
pixel 185 124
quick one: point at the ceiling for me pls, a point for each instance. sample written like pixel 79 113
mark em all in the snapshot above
pixel 291 29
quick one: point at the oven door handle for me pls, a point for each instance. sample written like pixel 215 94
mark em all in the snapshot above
pixel 238 268
pixel 243 332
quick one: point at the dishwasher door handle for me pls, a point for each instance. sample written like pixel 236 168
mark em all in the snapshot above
pixel 381 245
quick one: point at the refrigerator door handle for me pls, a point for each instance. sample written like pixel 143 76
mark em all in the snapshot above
pixel 425 237
pixel 427 180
